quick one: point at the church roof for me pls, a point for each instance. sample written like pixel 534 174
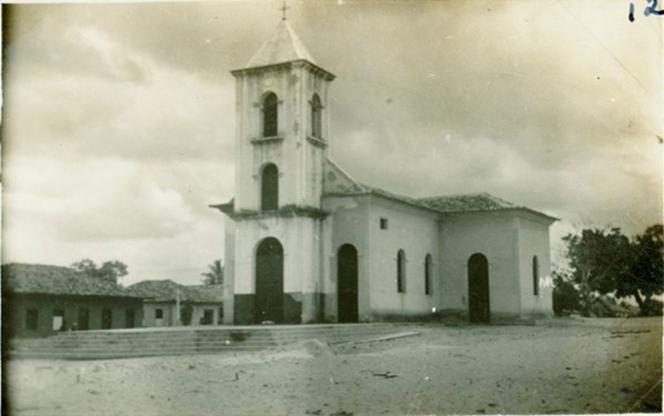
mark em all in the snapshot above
pixel 466 202
pixel 282 46
pixel 339 183
pixel 56 280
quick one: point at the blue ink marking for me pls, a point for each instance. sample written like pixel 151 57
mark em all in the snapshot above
pixel 647 11
pixel 652 9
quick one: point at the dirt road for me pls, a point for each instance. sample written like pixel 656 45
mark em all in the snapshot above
pixel 560 366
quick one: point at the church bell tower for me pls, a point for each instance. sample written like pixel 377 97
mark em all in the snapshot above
pixel 273 233
pixel 281 122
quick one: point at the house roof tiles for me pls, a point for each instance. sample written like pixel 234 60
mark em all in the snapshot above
pixel 168 291
pixel 56 280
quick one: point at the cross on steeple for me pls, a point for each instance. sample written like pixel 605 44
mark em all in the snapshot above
pixel 283 9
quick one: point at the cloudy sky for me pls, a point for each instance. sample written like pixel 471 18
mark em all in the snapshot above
pixel 118 118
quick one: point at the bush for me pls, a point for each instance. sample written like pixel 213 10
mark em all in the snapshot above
pixel 652 307
pixel 566 298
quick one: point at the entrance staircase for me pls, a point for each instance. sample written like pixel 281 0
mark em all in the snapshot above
pixel 143 342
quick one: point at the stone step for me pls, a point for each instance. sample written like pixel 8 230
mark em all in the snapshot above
pixel 221 333
pixel 76 355
pixel 182 344
pixel 186 344
pixel 119 343
pixel 110 339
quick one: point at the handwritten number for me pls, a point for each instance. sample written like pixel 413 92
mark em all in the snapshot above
pixel 652 9
pixel 647 11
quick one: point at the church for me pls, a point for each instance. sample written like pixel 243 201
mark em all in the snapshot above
pixel 307 243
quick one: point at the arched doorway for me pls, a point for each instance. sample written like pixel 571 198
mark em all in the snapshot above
pixel 347 284
pixel 269 300
pixel 478 288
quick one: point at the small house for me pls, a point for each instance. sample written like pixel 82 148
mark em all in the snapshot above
pixel 167 303
pixel 40 300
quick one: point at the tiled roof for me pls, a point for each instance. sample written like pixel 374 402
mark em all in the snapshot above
pixel 55 280
pixel 207 293
pixel 167 291
pixel 445 204
pixel 453 204
pixel 282 46
pixel 338 183
pixel 466 203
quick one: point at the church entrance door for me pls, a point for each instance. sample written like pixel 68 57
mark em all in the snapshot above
pixel 269 300
pixel 478 288
pixel 347 283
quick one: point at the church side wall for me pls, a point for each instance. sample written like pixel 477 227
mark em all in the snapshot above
pixel 495 236
pixel 348 224
pixel 534 241
pixel 415 232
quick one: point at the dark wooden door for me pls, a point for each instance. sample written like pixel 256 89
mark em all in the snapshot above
pixel 269 301
pixel 106 318
pixel 478 288
pixel 130 318
pixel 347 283
pixel 83 319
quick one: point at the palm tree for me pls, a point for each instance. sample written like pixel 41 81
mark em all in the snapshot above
pixel 215 274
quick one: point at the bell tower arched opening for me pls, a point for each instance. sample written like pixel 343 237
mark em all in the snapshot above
pixel 270 188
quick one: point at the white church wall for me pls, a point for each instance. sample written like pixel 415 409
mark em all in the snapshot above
pixel 534 241
pixel 298 237
pixel 312 156
pixel 494 235
pixel 348 224
pixel 229 270
pixel 287 153
pixel 299 161
pixel 415 232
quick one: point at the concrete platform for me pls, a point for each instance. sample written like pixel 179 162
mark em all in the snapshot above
pixel 140 342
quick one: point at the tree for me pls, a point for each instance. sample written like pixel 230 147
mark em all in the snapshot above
pixel 646 274
pixel 598 259
pixel 109 270
pixel 566 297
pixel 606 261
pixel 215 274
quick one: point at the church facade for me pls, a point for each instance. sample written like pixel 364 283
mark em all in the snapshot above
pixel 307 243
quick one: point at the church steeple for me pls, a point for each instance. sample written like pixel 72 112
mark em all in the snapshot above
pixel 281 126
pixel 283 46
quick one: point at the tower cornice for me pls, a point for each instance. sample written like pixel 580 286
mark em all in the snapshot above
pixel 313 68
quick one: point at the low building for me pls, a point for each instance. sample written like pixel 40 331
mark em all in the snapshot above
pixel 166 303
pixel 40 300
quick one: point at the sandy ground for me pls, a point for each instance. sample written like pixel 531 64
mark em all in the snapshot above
pixel 561 366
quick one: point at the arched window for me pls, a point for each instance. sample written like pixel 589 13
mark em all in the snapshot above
pixel 270 188
pixel 401 272
pixel 270 113
pixel 428 265
pixel 535 276
pixel 316 109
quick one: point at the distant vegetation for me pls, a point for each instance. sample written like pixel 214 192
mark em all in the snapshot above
pixel 604 266
pixel 109 270
pixel 215 274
